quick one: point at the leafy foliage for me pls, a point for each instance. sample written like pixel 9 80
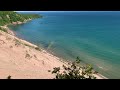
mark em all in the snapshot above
pixel 7 17
pixel 74 71
pixel 3 29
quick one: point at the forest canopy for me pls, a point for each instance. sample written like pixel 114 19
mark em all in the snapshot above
pixel 7 17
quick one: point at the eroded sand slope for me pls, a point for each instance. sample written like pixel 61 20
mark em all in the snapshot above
pixel 21 61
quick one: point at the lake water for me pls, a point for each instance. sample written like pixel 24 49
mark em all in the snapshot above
pixel 93 36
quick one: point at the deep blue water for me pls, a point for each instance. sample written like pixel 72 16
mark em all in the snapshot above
pixel 93 36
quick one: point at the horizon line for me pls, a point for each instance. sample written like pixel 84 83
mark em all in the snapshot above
pixel 67 11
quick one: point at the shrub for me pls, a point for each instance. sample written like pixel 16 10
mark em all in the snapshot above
pixel 3 29
pixel 37 48
pixel 28 45
pixel 74 71
pixel 17 42
pixel 9 77
pixel 27 56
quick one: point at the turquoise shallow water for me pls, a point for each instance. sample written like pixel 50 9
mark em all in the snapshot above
pixel 93 36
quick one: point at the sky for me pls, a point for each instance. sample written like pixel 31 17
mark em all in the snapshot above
pixel 66 11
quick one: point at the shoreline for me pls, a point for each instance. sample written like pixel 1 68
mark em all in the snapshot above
pixel 12 34
pixel 24 62
pixel 13 23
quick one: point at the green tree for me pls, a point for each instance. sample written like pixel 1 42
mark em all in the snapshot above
pixel 7 17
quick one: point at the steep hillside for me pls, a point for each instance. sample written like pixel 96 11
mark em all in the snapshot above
pixel 7 17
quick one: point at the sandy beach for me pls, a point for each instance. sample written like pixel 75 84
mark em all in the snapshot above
pixel 14 60
pixel 20 59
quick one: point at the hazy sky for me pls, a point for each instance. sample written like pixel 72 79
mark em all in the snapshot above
pixel 66 11
pixel 40 11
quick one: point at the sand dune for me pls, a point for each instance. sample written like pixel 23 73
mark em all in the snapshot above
pixel 20 59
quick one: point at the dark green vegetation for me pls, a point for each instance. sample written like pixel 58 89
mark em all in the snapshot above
pixel 7 17
pixel 74 71
pixel 3 29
